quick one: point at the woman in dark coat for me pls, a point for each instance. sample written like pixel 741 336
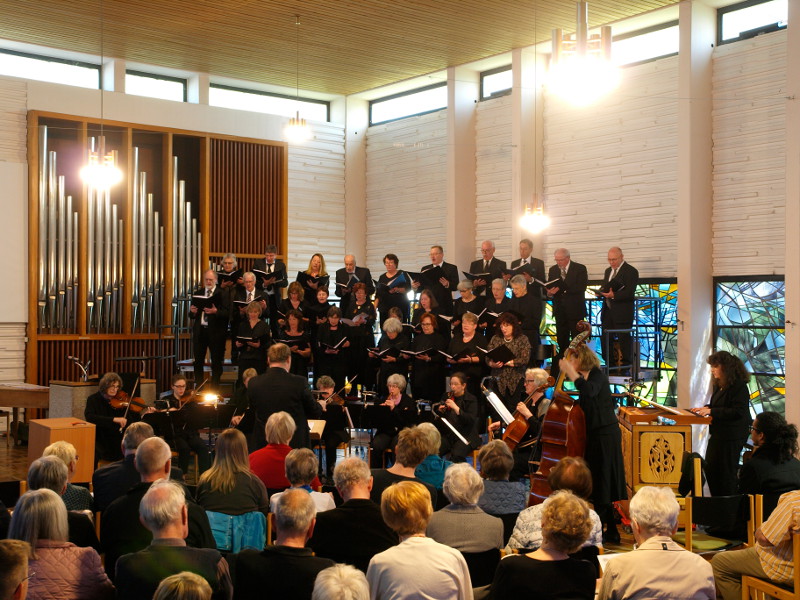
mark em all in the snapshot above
pixel 603 438
pixel 428 375
pixel 729 410
pixel 394 414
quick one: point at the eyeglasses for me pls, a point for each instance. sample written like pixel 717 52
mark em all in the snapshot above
pixel 753 428
pixel 530 381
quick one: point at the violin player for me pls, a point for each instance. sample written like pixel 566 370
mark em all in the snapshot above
pixel 460 409
pixel 333 412
pixel 109 410
pixel 182 404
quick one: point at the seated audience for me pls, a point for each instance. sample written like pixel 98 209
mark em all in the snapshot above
pixel 229 486
pixel 301 469
pixel 773 469
pixel 565 526
pixel 500 496
pixel 183 586
pixel 121 531
pixel 431 470
pixel 111 481
pixel 50 472
pixel 268 462
pixel 164 512
pixel 570 473
pixel 60 569
pixel 75 497
pixel 14 569
pixel 677 573
pixel 410 451
pixel 287 569
pixel 770 558
pixel 461 524
pixel 354 532
pixel 418 567
pixel 340 582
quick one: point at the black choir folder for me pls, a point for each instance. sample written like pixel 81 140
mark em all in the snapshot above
pixel 398 281
pixel 350 282
pixel 202 301
pixel 474 276
pixel 615 284
pixel 501 354
pixel 264 275
pixel 233 276
pixel 428 276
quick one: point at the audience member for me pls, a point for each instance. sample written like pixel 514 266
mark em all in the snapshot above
pixel 340 582
pixel 419 567
pixel 229 486
pixel 75 497
pixel 301 470
pixel 14 569
pixel 268 463
pixel 500 496
pixel 121 531
pixel 354 532
pixel 677 573
pixel 461 524
pixel 411 450
pixel 111 481
pixel 431 470
pixel 565 526
pixel 773 468
pixel 61 570
pixel 5 520
pixel 164 512
pixel 287 569
pixel 183 586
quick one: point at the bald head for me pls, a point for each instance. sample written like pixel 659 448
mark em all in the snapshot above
pixel 615 257
pixel 153 458
pixel 350 263
pixel 209 278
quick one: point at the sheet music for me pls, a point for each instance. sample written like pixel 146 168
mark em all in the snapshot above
pixel 498 405
pixel 454 430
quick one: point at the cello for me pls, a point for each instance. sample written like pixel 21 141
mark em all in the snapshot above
pixel 516 430
pixel 563 429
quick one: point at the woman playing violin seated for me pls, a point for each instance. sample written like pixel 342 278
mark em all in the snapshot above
pixel 335 431
pixel 108 409
pixel 186 438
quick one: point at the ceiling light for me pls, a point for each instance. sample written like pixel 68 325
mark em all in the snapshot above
pixel 297 130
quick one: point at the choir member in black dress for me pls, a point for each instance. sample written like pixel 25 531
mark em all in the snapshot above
pixel 109 421
pixel 299 342
pixel 316 311
pixel 528 306
pixel 332 361
pixel 509 375
pixel 185 438
pixel 729 409
pixel 395 413
pixel 468 302
pixel 336 423
pixel 603 438
pixel 392 362
pixel 460 409
pixel 347 277
pixel 243 297
pixel 295 300
pixel 315 277
pixel 496 304
pixel 428 369
pixel 471 364
pixel 428 305
pixel 230 289
pixel 392 291
pixel 253 339
pixel 360 316
pixel 273 280
pixel 443 287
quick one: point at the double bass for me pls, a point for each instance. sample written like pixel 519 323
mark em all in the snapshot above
pixel 563 429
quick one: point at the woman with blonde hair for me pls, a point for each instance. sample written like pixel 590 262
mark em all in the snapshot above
pixel 315 277
pixel 75 497
pixel 183 586
pixel 229 486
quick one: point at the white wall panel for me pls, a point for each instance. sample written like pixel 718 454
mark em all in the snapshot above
pixel 12 352
pixel 749 85
pixel 406 189
pixel 611 173
pixel 13 111
pixel 493 177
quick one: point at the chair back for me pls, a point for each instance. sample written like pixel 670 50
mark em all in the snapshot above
pixel 734 515
pixel 233 533
pixel 482 566
pixel 509 521
pixel 753 587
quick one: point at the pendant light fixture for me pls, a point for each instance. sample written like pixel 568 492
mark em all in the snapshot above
pixel 297 130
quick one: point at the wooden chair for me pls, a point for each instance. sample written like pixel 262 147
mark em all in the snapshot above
pixel 754 588
pixel 716 511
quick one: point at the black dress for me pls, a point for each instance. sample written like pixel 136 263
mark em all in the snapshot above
pixel 361 338
pixel 387 299
pixel 428 377
pixel 332 363
pixel 388 367
pixel 108 434
pixel 475 306
pixel 730 426
pixel 250 357
pixel 300 363
pixel 532 579
pixel 304 279
pixel 443 327
pixel 465 422
pixel 496 309
pixel 474 370
pixel 388 422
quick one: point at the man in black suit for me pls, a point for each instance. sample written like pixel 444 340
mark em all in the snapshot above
pixel 210 329
pixel 272 284
pixel 569 298
pixel 278 390
pixel 487 264
pixel 354 532
pixel 619 292
pixel 121 531
pixel 113 480
pixel 536 264
pixel 443 288
pixel 347 277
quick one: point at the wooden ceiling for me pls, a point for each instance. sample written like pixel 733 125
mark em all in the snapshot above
pixel 346 46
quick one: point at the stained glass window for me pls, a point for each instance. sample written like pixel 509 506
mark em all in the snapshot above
pixel 749 322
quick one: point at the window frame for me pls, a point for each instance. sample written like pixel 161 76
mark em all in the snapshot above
pixel 233 88
pixel 632 34
pixel 497 94
pixel 400 95
pixel 723 10
pixel 180 80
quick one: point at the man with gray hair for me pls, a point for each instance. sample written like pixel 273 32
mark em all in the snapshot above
pixel 209 311
pixel 287 569
pixel 487 267
pixel 350 275
pixel 668 570
pixel 14 556
pixel 121 532
pixel 271 273
pixel 163 510
pixel 113 480
pixel 50 472
pixel 355 531
pixel 569 299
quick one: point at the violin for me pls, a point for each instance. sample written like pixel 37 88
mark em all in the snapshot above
pixel 518 428
pixel 123 400
pixel 191 395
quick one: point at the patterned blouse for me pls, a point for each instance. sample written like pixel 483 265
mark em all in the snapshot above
pixel 527 533
pixel 509 377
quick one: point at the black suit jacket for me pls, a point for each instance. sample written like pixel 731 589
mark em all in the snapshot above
pixel 570 301
pixel 112 481
pixel 352 533
pixel 443 295
pixel 619 309
pixel 241 296
pixel 537 265
pixel 218 322
pixel 496 268
pixel 276 572
pixel 342 276
pixel 279 270
pixel 275 391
